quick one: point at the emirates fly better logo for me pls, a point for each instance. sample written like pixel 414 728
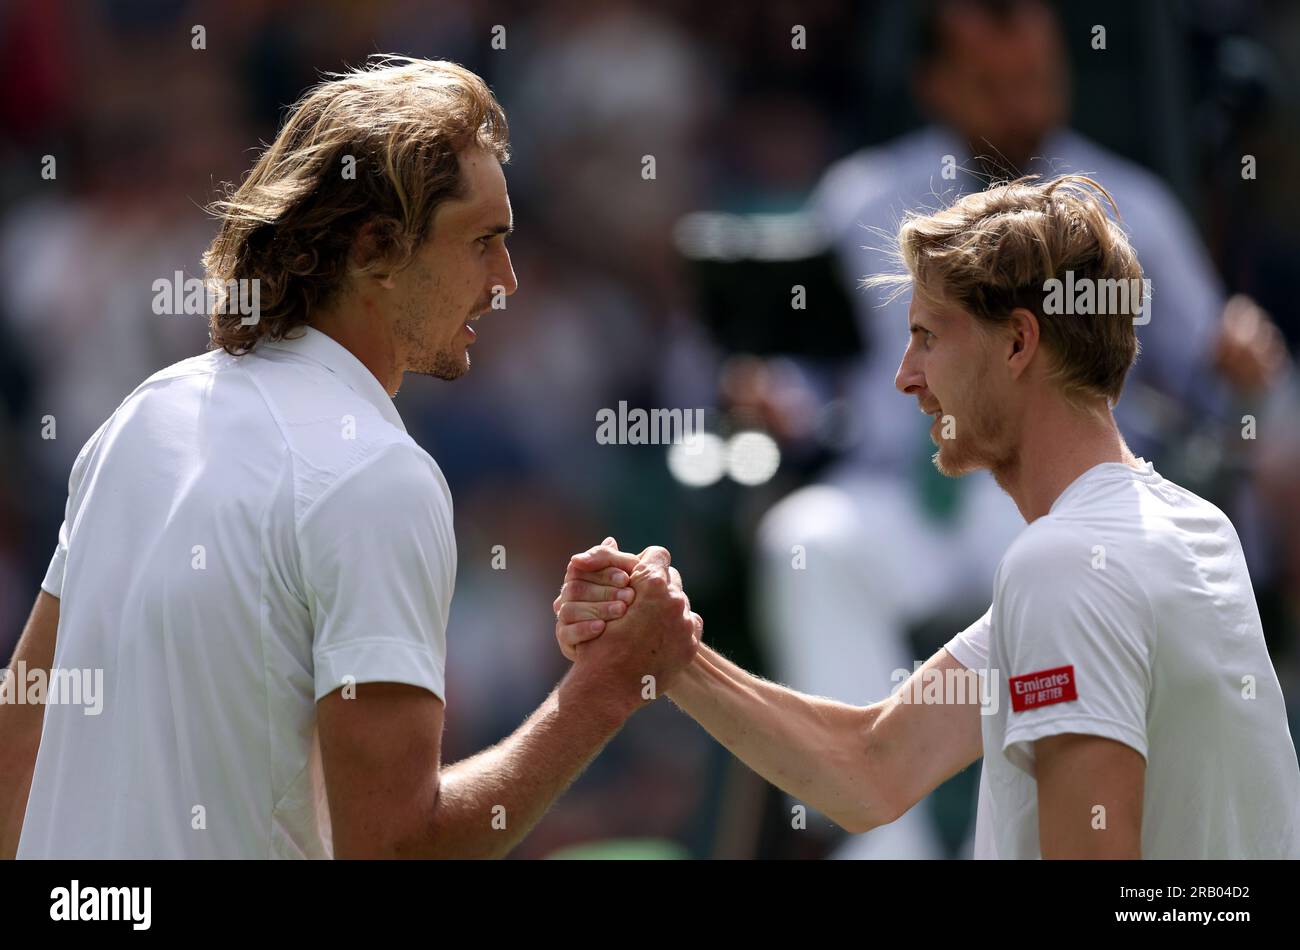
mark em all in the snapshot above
pixel 1042 689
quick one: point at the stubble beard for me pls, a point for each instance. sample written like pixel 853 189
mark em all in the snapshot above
pixel 447 363
pixel 981 442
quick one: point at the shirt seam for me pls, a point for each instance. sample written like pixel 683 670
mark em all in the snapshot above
pixel 262 609
pixel 346 477
pixel 289 458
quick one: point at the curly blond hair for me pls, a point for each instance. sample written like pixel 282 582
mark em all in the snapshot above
pixel 378 145
pixel 995 250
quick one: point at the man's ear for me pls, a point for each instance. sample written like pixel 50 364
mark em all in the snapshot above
pixel 1022 328
pixel 371 248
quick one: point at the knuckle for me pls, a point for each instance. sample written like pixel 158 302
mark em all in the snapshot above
pixel 656 582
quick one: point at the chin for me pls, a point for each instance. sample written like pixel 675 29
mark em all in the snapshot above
pixel 445 366
pixel 950 460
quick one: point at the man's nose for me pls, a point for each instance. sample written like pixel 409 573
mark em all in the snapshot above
pixel 505 274
pixel 909 377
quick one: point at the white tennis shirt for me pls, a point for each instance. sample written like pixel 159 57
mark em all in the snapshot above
pixel 243 536
pixel 1127 612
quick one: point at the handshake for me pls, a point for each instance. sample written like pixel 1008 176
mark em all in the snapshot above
pixel 625 618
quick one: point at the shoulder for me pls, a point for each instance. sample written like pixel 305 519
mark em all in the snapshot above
pixel 335 436
pixel 869 166
pixel 1050 547
pixel 1071 562
pixel 390 480
pixel 192 366
pixel 1073 577
pixel 204 364
pixel 386 521
pixel 875 184
pixel 1144 200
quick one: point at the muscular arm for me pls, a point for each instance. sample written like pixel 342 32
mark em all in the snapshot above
pixel 381 750
pixel 20 723
pixel 1078 775
pixel 390 799
pixel 861 766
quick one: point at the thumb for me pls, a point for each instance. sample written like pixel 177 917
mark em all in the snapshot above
pixel 610 543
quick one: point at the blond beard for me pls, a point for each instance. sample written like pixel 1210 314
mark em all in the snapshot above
pixel 982 443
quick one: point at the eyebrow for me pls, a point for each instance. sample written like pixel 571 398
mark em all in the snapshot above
pixel 916 327
pixel 506 229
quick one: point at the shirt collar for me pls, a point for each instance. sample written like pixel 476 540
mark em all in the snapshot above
pixel 1144 471
pixel 323 349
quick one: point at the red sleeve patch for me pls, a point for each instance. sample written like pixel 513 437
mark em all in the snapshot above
pixel 1042 689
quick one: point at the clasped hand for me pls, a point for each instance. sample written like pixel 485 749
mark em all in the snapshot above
pixel 627 612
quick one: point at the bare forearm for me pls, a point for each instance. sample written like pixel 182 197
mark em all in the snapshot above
pixel 487 803
pixel 21 723
pixel 20 734
pixel 815 749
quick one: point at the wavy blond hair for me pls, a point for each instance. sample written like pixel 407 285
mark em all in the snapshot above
pixel 377 145
pixel 995 250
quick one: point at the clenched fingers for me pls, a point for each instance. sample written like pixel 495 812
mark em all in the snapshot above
pixel 601 557
pixel 576 612
pixel 608 585
pixel 587 592
pixel 571 635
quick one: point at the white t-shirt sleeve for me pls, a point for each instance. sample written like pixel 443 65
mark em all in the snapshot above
pixel 378 558
pixel 52 583
pixel 1075 637
pixel 970 648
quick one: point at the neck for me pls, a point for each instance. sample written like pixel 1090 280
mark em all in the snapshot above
pixel 356 325
pixel 1057 445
